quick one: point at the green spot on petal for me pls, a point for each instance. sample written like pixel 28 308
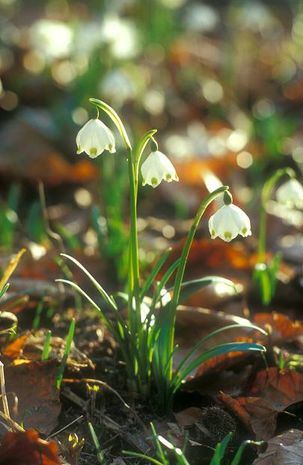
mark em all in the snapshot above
pixel 227 235
pixel 213 233
pixel 168 177
pixel 93 151
pixel 244 231
pixel 154 181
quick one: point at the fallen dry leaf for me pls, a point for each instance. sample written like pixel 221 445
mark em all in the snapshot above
pixel 26 448
pixel 211 255
pixel 14 349
pixel 281 327
pixel 33 384
pixel 279 387
pixel 10 268
pixel 285 449
pixel 188 416
pixel 272 392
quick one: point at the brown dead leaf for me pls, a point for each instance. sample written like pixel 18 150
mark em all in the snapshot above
pixel 280 388
pixel 26 448
pixel 14 349
pixel 280 327
pixel 211 255
pixel 272 392
pixel 255 414
pixel 33 384
pixel 188 416
pixel 285 449
pixel 10 268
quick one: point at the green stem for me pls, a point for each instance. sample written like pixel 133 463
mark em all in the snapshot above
pixel 115 118
pixel 134 274
pixel 265 197
pixel 189 240
pixel 183 260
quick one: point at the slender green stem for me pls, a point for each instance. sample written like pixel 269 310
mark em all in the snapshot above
pixel 189 240
pixel 134 275
pixel 183 260
pixel 115 118
pixel 265 197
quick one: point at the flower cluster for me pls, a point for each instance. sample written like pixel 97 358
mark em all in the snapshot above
pixel 227 223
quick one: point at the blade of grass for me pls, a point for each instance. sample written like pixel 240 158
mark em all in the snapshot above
pixel 46 346
pixel 68 346
pixel 99 452
pixel 151 277
pixel 109 300
pixel 220 450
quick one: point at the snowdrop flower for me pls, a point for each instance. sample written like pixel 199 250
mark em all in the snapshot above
pixel 228 222
pixel 94 138
pixel 291 194
pixel 156 168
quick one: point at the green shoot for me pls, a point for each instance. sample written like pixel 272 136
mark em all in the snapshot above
pixel 46 346
pixel 68 346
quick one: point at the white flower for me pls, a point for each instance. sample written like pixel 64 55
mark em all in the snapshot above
pixel 228 222
pixel 94 138
pixel 157 167
pixel 291 194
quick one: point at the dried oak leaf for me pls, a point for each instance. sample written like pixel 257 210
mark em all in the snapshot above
pixel 33 384
pixel 26 448
pixel 280 327
pixel 285 449
pixel 271 393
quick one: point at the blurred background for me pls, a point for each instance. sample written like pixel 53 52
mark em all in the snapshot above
pixel 222 81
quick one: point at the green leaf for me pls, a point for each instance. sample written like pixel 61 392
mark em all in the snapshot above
pixel 220 450
pixel 68 346
pixel 214 352
pixel 237 457
pixel 202 341
pixel 109 300
pixel 153 274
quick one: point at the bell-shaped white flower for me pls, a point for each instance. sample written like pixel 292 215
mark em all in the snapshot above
pixel 291 194
pixel 157 167
pixel 228 222
pixel 94 138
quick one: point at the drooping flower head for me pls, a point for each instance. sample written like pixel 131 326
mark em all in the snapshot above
pixel 291 194
pixel 157 167
pixel 94 138
pixel 229 221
